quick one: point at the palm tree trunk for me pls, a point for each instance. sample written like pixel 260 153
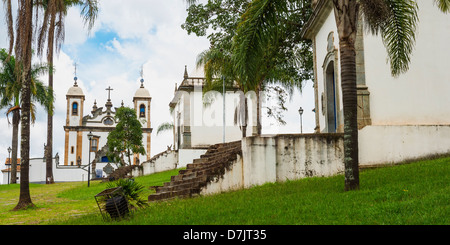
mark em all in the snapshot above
pixel 348 75
pixel 15 145
pixel 346 14
pixel 49 151
pixel 25 21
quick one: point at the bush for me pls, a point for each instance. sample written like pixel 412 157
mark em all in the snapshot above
pixel 131 191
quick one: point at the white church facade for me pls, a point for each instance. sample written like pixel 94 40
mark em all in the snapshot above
pixel 399 117
pixel 200 118
pixel 100 121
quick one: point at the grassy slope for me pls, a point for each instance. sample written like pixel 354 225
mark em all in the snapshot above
pixel 416 193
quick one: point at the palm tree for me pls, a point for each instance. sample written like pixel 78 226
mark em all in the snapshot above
pixel 10 98
pixel 23 52
pixel 219 72
pixel 53 22
pixel 274 62
pixel 394 20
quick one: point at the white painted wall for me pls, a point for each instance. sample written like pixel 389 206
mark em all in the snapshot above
pixel 321 41
pixel 419 96
pixel 167 160
pixel 61 173
pixel 74 120
pixel 233 179
pixel 386 144
pixel 204 114
pixel 279 158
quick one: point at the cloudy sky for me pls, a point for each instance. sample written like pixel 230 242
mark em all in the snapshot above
pixel 126 36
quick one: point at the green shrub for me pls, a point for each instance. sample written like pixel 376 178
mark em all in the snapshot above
pixel 131 191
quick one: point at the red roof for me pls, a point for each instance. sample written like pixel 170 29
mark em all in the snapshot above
pixel 8 161
pixel 9 169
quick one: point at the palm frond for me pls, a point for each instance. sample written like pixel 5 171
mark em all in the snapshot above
pixel 9 21
pixel 375 14
pixel 164 127
pixel 398 34
pixel 257 28
pixel 89 12
pixel 443 5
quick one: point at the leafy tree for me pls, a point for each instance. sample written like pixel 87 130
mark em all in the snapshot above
pixel 126 138
pixel 53 23
pixel 284 62
pixel 10 98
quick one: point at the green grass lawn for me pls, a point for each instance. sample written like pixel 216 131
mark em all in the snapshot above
pixel 409 194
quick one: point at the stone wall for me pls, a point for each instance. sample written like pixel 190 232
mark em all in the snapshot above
pixel 289 157
pixel 166 160
pixel 280 158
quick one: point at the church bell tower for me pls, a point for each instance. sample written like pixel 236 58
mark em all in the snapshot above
pixel 74 117
pixel 142 101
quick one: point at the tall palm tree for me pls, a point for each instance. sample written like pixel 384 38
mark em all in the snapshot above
pixel 53 22
pixel 23 52
pixel 272 62
pixel 220 73
pixel 394 20
pixel 10 98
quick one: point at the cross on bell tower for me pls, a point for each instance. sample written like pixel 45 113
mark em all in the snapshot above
pixel 108 102
pixel 75 75
pixel 109 92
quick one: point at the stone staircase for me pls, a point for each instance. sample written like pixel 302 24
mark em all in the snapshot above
pixel 209 166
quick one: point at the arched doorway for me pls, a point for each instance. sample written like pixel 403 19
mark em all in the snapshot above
pixel 331 101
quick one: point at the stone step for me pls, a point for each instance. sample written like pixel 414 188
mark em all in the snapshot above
pixel 173 194
pixel 202 178
pixel 197 174
pixel 180 186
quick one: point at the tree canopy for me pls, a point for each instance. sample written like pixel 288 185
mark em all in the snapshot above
pixel 126 139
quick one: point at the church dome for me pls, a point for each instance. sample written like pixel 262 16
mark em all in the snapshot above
pixel 142 92
pixel 75 90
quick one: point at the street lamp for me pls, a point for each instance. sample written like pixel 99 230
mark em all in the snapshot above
pixel 90 136
pixel 300 111
pixel 9 156
pixel 223 117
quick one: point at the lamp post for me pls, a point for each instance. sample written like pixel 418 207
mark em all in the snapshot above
pixel 300 111
pixel 223 94
pixel 90 136
pixel 9 156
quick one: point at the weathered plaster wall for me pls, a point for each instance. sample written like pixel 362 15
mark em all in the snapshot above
pixel 279 158
pixel 233 179
pixel 166 160
pixel 391 144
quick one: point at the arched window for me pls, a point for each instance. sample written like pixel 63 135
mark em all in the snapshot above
pixel 75 108
pixel 142 110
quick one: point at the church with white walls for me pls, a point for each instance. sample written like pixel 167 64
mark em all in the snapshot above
pixel 99 121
